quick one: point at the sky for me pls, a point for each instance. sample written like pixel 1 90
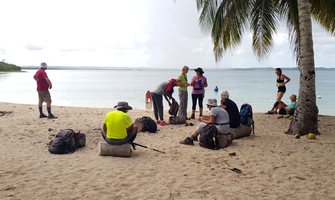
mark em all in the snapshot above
pixel 130 33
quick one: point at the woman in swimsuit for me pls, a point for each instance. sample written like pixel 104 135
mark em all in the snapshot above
pixel 281 82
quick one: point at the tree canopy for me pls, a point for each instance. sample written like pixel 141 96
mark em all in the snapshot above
pixel 9 67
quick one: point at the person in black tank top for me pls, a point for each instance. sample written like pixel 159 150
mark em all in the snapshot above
pixel 281 82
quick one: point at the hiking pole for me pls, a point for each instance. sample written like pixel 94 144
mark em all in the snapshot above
pixel 148 147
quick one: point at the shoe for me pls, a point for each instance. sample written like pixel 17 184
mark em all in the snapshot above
pixel 163 123
pixel 192 117
pixel 158 122
pixel 200 115
pixel 271 112
pixel 43 116
pixel 187 141
pixel 52 117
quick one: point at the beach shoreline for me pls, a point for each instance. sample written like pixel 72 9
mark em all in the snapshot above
pixel 273 165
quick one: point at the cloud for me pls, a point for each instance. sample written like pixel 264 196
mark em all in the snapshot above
pixel 132 33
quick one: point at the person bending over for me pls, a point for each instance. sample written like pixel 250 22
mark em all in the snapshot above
pixel 232 109
pixel 118 127
pixel 166 89
pixel 218 116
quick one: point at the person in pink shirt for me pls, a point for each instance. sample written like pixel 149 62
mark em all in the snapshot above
pixel 43 86
pixel 199 82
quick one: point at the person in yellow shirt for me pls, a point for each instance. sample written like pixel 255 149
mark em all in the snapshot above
pixel 118 127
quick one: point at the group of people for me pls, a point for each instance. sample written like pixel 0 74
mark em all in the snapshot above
pixel 118 127
pixel 279 106
pixel 166 89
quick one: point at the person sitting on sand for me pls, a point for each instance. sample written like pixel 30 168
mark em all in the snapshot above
pixel 218 116
pixel 118 127
pixel 288 108
pixel 148 97
pixel 232 109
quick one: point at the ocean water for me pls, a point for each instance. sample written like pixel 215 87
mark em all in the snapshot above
pixel 103 88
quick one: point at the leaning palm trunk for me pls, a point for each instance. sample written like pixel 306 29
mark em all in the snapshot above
pixel 305 118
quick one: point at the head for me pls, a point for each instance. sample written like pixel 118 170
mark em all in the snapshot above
pixel 199 71
pixel 278 71
pixel 184 70
pixel 211 103
pixel 174 81
pixel 293 97
pixel 224 95
pixel 44 65
pixel 123 106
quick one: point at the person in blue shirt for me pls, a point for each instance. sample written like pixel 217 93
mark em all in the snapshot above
pixel 216 89
pixel 289 108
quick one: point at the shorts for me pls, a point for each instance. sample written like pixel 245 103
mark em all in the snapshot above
pixel 130 137
pixel 282 89
pixel 44 96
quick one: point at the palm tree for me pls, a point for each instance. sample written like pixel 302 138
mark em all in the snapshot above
pixel 227 21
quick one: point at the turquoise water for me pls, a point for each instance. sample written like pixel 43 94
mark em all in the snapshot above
pixel 105 87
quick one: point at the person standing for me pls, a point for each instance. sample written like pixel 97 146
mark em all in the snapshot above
pixel 164 89
pixel 183 94
pixel 199 82
pixel 281 84
pixel 43 86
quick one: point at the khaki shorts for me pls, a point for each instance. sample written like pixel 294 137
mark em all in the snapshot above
pixel 44 96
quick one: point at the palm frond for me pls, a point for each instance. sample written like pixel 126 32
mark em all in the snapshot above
pixel 323 12
pixel 264 21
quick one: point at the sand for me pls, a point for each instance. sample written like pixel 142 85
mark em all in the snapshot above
pixel 273 165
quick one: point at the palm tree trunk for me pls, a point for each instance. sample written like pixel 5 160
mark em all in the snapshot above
pixel 305 118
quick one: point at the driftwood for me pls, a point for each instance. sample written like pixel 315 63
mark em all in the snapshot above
pixel 106 149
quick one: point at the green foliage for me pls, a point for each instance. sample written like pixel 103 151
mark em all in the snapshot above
pixel 9 67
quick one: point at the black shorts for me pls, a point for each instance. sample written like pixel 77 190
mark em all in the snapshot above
pixel 282 89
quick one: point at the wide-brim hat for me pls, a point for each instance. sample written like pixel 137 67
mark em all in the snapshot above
pixel 44 65
pixel 212 102
pixel 124 105
pixel 199 69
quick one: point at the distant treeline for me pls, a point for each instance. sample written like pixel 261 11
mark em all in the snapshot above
pixel 9 67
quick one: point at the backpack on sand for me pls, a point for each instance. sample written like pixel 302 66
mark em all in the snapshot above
pixel 148 124
pixel 247 115
pixel 67 141
pixel 208 138
pixel 174 107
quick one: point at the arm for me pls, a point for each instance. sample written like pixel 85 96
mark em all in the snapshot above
pixel 205 82
pixel 49 82
pixel 286 78
pixel 211 119
pixel 104 128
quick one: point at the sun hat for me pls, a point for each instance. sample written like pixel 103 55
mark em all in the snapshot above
pixel 123 104
pixel 44 65
pixel 224 94
pixel 199 69
pixel 212 102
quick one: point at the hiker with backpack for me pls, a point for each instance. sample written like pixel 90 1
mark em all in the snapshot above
pixel 232 109
pixel 218 117
pixel 164 89
pixel 118 127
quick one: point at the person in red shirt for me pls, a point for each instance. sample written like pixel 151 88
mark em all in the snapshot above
pixel 43 86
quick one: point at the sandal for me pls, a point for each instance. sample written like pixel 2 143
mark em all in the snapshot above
pixel 187 141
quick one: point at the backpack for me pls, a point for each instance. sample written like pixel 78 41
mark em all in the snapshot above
pixel 67 141
pixel 208 138
pixel 174 107
pixel 177 120
pixel 246 115
pixel 148 124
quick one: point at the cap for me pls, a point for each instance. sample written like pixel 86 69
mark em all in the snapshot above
pixel 123 104
pixel 212 102
pixel 199 70
pixel 224 94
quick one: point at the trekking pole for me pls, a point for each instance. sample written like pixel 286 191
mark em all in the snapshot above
pixel 148 147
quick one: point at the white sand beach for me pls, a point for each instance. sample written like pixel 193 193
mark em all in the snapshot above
pixel 273 165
